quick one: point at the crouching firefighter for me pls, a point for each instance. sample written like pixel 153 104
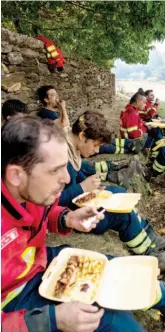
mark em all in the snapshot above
pixel 54 55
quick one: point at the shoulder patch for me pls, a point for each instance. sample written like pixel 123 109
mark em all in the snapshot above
pixel 8 237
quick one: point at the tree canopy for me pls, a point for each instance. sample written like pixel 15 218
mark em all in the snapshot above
pixel 101 31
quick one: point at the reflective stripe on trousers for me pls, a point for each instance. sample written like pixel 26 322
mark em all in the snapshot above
pixel 140 243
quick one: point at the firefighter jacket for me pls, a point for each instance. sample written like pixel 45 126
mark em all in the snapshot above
pixel 23 249
pixel 54 54
pixel 149 112
pixel 131 125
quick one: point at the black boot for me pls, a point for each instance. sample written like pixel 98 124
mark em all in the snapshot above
pixel 160 255
pixel 150 173
pixel 123 176
pixel 157 241
pixel 157 248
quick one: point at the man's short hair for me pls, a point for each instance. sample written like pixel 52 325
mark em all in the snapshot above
pixel 21 138
pixel 94 126
pixel 137 96
pixel 147 92
pixel 42 93
pixel 12 107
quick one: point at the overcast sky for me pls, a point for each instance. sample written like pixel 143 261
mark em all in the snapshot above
pixel 160 46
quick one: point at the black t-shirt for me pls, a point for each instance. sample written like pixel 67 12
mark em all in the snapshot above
pixel 47 114
pixel 24 205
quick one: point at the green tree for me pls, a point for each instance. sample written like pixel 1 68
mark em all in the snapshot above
pixel 101 31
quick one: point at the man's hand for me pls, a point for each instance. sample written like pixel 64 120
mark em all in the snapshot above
pixel 78 317
pixel 91 183
pixel 63 112
pixel 75 219
pixel 149 127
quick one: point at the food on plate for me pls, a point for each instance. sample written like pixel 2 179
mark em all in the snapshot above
pixel 86 198
pixel 80 278
pixel 104 194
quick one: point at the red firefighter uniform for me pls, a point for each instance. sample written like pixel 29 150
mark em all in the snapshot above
pixel 54 54
pixel 149 112
pixel 23 248
pixel 131 125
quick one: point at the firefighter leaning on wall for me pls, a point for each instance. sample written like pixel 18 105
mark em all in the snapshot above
pixel 54 55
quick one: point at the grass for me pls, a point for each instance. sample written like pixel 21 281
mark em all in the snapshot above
pixel 162 109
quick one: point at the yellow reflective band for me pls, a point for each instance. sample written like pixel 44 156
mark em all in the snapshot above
pixel 117 146
pixel 137 240
pixel 104 166
pixel 132 129
pixel 143 247
pixel 122 150
pixel 158 296
pixel 28 256
pixel 51 48
pixel 162 140
pixel 11 295
pixel 158 167
pixel 49 55
pixel 159 144
pixel 54 54
pixel 122 142
pixel 141 112
pixel 123 129
pixel 117 151
pixel 98 167
pixel 148 110
pixel 103 176
pixel 125 132
pixel 154 154
pixel 117 141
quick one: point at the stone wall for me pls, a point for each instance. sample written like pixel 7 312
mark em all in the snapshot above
pixel 24 68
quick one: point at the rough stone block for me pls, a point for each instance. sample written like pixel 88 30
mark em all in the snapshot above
pixel 15 58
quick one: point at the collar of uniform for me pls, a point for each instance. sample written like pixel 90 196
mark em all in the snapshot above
pixel 14 208
pixel 130 108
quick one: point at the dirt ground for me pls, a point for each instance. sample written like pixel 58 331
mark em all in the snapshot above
pixel 152 206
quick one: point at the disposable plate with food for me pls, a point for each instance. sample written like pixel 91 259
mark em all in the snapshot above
pixel 117 203
pixel 123 283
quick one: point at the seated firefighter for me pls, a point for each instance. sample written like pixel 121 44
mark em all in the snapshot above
pixel 34 160
pixel 13 107
pixel 52 109
pixel 133 127
pixel 54 55
pixel 84 140
pixel 48 96
pixel 150 110
pixel 114 171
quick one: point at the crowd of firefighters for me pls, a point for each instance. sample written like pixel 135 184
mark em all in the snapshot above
pixel 135 122
pixel 42 171
pixel 142 108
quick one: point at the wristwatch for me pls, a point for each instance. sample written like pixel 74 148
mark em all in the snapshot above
pixel 62 221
